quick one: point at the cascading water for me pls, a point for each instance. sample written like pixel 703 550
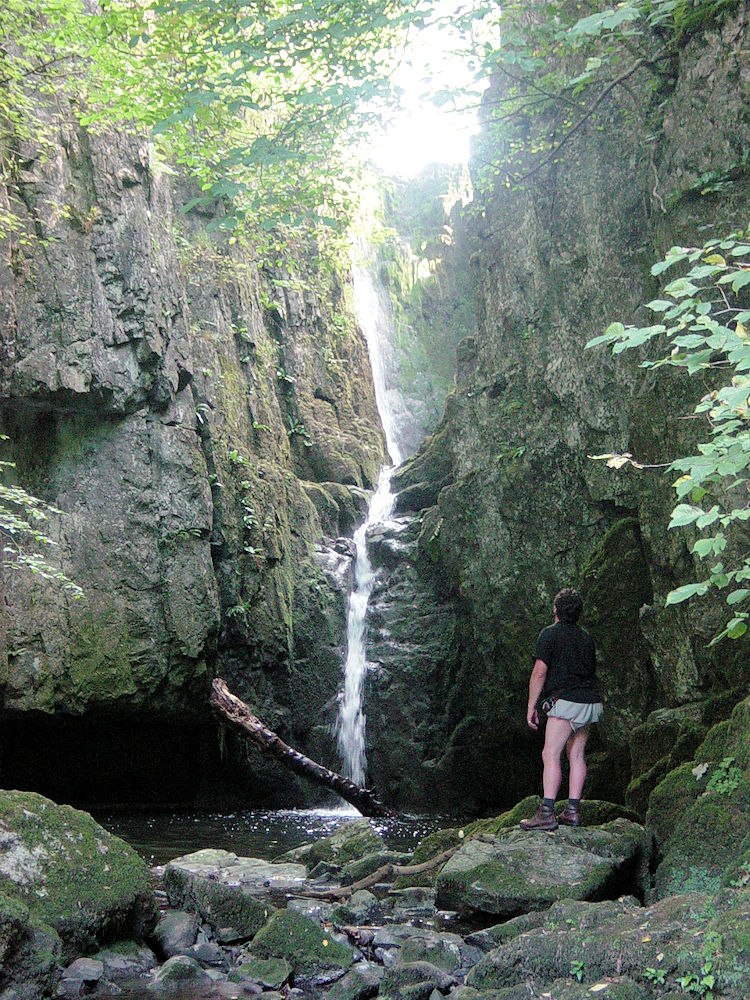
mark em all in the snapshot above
pixel 375 318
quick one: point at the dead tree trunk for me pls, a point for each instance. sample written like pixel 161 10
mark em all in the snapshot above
pixel 237 712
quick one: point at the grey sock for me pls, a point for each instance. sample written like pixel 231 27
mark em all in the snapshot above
pixel 548 805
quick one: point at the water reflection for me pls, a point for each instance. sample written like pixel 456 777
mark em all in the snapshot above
pixel 160 836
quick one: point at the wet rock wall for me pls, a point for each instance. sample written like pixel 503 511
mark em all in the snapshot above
pixel 196 415
pixel 510 503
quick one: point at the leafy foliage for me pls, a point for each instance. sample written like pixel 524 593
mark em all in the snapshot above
pixel 704 316
pixel 260 102
pixel 559 62
pixel 23 520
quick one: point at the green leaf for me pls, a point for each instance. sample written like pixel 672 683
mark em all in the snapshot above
pixel 736 628
pixel 684 593
pixel 737 595
pixel 684 514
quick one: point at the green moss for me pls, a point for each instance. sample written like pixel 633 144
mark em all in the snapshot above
pixel 269 972
pixel 707 842
pixel 350 842
pixel 671 798
pixel 594 812
pixel 301 941
pixel 86 884
pixel 100 667
pixel 233 915
pixel 430 846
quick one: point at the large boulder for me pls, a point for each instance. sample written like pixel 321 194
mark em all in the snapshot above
pixel 700 812
pixel 644 952
pixel 233 895
pixel 315 956
pixel 87 885
pixel 519 871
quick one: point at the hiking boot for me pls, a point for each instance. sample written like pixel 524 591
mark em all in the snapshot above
pixel 544 820
pixel 569 816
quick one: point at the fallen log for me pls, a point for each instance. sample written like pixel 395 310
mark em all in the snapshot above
pixel 385 871
pixel 240 716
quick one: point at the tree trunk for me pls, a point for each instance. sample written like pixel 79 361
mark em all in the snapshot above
pixel 237 712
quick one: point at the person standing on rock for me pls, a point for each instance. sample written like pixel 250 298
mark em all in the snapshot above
pixel 564 675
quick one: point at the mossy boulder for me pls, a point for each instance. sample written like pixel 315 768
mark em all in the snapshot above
pixel 370 863
pixel 429 847
pixel 351 842
pixel 73 875
pixel 181 969
pixel 519 871
pixel 29 951
pixel 670 737
pixel 302 942
pixel 415 980
pixel 593 812
pixel 700 812
pixel 621 941
pixel 441 950
pixel 271 973
pixel 360 983
pixel 234 895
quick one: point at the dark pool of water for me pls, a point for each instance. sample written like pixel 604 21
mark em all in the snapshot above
pixel 160 836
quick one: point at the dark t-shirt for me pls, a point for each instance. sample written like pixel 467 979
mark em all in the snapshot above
pixel 569 653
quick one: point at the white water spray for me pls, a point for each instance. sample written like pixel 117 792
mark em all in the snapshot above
pixel 376 321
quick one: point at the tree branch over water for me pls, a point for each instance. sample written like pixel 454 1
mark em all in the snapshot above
pixel 239 715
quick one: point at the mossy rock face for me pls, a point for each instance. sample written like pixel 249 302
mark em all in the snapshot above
pixel 708 840
pixel 700 812
pixel 302 942
pixel 621 941
pixel 520 871
pixel 670 737
pixel 89 886
pixel 29 951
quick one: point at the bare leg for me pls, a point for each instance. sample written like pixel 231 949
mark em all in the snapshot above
pixel 576 747
pixel 555 739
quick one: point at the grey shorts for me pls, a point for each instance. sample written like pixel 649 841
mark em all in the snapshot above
pixel 576 713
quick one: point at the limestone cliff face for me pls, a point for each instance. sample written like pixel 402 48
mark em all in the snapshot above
pixel 513 507
pixel 182 405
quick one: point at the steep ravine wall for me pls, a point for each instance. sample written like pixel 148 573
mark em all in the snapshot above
pixel 511 506
pixel 202 422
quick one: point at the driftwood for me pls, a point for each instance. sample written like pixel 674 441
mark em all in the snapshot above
pixel 385 871
pixel 237 712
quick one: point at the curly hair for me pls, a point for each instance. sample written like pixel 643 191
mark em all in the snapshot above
pixel 568 606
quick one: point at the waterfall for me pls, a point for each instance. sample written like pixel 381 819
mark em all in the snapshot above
pixel 374 314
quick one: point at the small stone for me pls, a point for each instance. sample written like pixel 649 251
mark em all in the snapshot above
pixel 84 970
pixel 176 932
pixel 180 969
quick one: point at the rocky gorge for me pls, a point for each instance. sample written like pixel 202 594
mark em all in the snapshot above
pixel 202 417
